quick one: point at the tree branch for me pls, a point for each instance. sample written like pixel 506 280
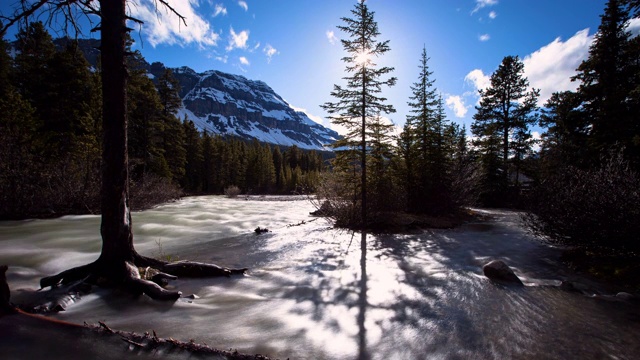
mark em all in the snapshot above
pixel 176 13
pixel 16 17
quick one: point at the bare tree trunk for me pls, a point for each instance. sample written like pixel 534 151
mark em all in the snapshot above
pixel 117 238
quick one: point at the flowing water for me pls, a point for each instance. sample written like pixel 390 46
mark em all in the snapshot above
pixel 314 292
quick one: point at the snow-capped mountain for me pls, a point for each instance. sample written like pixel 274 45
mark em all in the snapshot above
pixel 233 105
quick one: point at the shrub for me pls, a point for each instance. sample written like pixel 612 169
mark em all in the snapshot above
pixel 594 209
pixel 151 191
pixel 232 191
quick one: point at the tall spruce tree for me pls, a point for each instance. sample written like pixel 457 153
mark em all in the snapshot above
pixel 508 106
pixel 192 180
pixel 359 101
pixel 419 135
pixel 609 83
pixel 425 147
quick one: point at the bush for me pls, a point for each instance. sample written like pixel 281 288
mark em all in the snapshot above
pixel 593 209
pixel 151 191
pixel 337 200
pixel 232 191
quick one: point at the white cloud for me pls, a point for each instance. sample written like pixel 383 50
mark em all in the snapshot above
pixel 331 36
pixel 456 103
pixel 478 79
pixel 270 51
pixel 222 59
pixel 243 4
pixel 161 26
pixel 244 61
pixel 484 37
pixel 551 67
pixel 483 3
pixel 634 26
pixel 238 40
pixel 536 136
pixel 493 15
pixel 219 10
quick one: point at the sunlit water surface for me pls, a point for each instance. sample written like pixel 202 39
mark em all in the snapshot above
pixel 313 293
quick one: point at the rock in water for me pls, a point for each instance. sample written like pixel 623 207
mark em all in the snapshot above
pixel 497 270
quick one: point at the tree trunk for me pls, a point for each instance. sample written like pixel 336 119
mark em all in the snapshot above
pixel 117 238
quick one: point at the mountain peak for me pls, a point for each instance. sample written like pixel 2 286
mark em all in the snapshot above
pixel 232 105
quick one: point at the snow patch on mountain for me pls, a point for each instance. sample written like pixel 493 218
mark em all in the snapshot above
pixel 232 105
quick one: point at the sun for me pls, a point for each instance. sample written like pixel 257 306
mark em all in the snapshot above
pixel 363 57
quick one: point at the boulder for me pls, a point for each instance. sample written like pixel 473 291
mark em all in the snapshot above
pixel 577 287
pixel 498 271
pixel 260 230
pixel 626 296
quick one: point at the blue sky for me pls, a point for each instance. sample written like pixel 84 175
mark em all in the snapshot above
pixel 293 45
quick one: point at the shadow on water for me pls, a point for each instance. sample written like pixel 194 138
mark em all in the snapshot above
pixel 424 296
pixel 362 300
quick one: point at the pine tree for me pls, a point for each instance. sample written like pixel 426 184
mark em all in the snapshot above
pixel 173 132
pixel 381 151
pixel 278 162
pixel 173 146
pixel 70 91
pixel 169 92
pixel 146 127
pixel 17 126
pixel 506 107
pixel 194 156
pixel 72 144
pixel 418 136
pixel 608 79
pixel 566 138
pixel 359 102
pixel 425 149
pixel 35 49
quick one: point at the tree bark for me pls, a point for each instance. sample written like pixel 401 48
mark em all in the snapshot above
pixel 117 236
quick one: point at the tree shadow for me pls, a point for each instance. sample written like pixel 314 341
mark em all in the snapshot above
pixel 363 352
pixel 404 287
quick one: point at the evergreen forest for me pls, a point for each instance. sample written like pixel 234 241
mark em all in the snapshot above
pixel 51 136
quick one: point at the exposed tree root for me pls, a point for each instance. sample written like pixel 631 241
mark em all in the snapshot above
pixel 5 293
pixel 68 276
pixel 126 275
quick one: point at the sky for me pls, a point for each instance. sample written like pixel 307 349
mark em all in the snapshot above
pixel 294 45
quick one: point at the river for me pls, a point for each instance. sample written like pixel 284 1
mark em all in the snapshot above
pixel 314 292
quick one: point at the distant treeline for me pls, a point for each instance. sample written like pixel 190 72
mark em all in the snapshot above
pixel 51 138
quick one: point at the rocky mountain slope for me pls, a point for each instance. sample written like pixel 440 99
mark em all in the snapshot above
pixel 233 105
